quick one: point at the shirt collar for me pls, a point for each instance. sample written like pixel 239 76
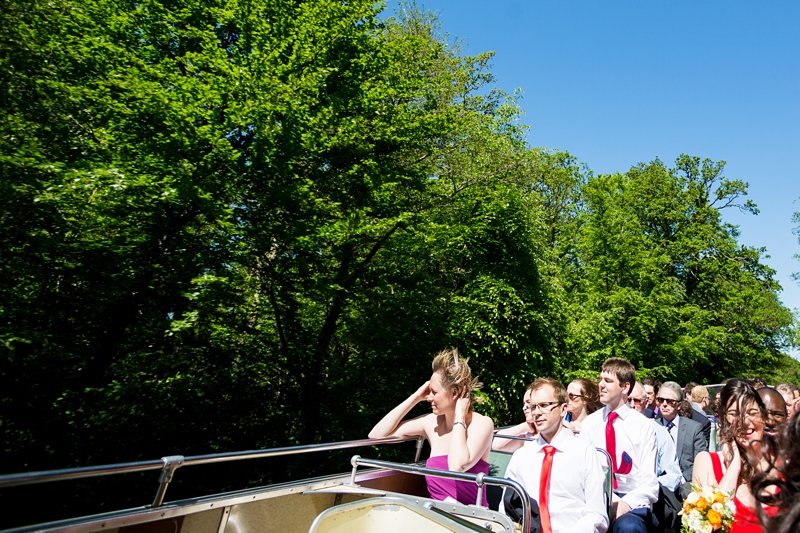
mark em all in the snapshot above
pixel 623 411
pixel 558 441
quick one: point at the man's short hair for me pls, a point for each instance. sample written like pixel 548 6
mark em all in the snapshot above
pixel 687 390
pixel 674 387
pixel 784 388
pixel 622 369
pixel 757 382
pixel 559 390
pixel 698 393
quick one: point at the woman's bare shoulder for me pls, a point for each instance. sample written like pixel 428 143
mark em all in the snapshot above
pixel 482 420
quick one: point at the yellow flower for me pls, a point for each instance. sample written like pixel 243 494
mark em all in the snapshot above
pixel 719 497
pixel 701 505
pixel 714 518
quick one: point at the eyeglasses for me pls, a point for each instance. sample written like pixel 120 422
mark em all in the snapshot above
pixel 668 401
pixel 542 406
pixel 637 401
pixel 574 396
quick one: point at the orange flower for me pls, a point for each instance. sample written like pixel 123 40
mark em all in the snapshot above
pixel 719 497
pixel 687 509
pixel 701 505
pixel 714 518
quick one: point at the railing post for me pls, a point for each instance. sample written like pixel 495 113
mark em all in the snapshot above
pixel 420 440
pixel 354 462
pixel 171 463
pixel 479 482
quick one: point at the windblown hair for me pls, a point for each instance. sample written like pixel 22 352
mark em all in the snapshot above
pixel 787 494
pixel 590 393
pixel 454 372
pixel 623 369
pixel 559 390
pixel 737 392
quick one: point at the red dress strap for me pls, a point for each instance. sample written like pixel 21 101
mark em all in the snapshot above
pixel 717 464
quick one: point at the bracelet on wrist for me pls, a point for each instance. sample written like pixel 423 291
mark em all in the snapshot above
pixel 457 422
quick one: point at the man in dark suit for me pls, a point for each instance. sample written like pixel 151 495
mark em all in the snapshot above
pixel 700 400
pixel 685 432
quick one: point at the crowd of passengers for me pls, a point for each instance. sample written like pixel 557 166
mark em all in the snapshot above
pixel 657 436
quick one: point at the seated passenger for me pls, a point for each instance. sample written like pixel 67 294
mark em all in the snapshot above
pixel 460 438
pixel 525 429
pixel 667 467
pixel 563 474
pixel 584 399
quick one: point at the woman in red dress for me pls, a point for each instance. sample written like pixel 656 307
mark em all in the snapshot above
pixel 741 414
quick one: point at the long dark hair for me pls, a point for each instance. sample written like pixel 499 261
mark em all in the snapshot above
pixel 742 394
pixel 786 497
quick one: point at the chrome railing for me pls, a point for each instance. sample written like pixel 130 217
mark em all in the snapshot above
pixel 168 465
pixel 479 479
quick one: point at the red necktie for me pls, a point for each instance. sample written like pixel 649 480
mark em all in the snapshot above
pixel 611 444
pixel 544 489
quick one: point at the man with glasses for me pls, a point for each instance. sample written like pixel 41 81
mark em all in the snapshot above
pixel 557 470
pixel 684 432
pixel 667 469
pixel 630 440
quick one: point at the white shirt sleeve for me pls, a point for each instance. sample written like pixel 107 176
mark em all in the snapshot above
pixel 594 519
pixel 645 493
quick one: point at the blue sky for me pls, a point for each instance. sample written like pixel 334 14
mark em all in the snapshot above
pixel 620 82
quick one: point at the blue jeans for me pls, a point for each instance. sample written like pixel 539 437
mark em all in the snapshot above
pixel 639 520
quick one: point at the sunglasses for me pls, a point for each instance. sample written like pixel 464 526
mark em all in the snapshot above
pixel 574 396
pixel 668 401
pixel 637 401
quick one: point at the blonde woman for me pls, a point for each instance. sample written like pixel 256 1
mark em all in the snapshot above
pixel 460 438
pixel 584 399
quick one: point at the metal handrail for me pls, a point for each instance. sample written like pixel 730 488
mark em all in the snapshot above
pixel 513 437
pixel 169 464
pixel 480 479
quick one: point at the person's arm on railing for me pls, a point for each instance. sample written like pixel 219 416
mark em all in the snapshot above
pixel 393 424
pixel 511 445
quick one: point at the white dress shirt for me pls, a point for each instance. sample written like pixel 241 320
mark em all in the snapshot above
pixel 636 436
pixel 667 468
pixel 576 498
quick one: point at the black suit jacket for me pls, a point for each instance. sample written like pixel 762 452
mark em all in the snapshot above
pixel 703 420
pixel 690 442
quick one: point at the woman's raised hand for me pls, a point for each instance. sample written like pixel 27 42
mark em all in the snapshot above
pixel 423 392
pixel 462 405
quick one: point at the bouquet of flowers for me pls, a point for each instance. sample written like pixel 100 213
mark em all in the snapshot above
pixel 707 509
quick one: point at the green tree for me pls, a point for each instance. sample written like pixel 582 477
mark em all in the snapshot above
pixel 659 278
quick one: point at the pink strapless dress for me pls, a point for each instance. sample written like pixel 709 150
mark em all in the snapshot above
pixel 464 492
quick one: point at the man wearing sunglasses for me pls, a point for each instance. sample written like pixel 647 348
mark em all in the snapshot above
pixel 667 469
pixel 557 470
pixel 630 439
pixel 684 432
